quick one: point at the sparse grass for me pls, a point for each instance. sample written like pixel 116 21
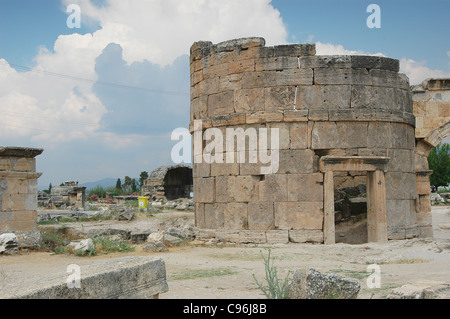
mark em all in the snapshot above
pixel 107 245
pixel 48 222
pixel 53 240
pixel 408 261
pixel 202 273
pixel 359 275
pixel 400 261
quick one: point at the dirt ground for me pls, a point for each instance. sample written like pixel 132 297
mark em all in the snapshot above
pixel 211 272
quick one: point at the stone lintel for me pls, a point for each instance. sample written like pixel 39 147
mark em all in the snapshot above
pixel 353 163
pixel 424 173
pixel 19 175
pixel 20 151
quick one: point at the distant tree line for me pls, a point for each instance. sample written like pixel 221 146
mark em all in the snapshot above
pixel 127 187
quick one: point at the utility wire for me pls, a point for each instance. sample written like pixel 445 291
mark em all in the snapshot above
pixel 87 135
pixel 93 81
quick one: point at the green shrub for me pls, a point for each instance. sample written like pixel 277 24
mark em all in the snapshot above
pixel 276 288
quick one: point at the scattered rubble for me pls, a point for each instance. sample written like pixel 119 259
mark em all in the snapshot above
pixel 83 246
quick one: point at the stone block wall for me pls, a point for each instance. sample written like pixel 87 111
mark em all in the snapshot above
pixel 18 188
pixel 321 105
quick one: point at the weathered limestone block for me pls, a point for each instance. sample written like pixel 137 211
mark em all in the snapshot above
pixel 252 236
pixel 122 278
pixel 315 285
pixel 401 160
pixel 389 79
pixel 306 236
pixel 296 115
pixel 242 66
pixel 400 185
pixel 276 63
pixel 249 100
pixel 298 215
pixel 221 189
pixel 296 161
pixel 225 169
pixel 402 136
pixel 326 61
pixel 277 236
pixel 324 97
pixel 228 119
pixel 230 82
pixel 325 135
pixel 373 97
pixel 204 190
pixel 284 139
pixel 294 77
pixel 342 76
pixel 295 50
pixel 403 99
pixel 279 98
pixel 379 135
pixel 201 169
pixel 305 187
pixel 318 115
pixel 375 62
pixel 243 189
pixel 274 188
pixel 199 108
pixel 399 213
pixel 214 215
pixel 236 216
pixel 298 136
pixel 264 117
pixel 261 216
pixel 221 103
pixel 352 134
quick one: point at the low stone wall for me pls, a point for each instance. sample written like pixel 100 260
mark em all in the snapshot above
pixel 123 278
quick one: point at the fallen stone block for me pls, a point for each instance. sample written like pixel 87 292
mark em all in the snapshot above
pixel 122 278
pixel 94 233
pixel 422 290
pixel 27 239
pixel 141 237
pixel 315 285
pixel 8 244
pixel 83 246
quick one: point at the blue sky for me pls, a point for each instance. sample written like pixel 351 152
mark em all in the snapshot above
pixel 103 99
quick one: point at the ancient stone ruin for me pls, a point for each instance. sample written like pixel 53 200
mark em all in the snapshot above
pixel 169 183
pixel 342 120
pixel 431 104
pixel 18 189
pixel 68 195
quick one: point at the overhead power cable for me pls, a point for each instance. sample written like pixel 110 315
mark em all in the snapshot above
pixel 93 81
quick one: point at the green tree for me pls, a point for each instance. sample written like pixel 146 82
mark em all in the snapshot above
pixel 127 181
pixel 439 162
pixel 142 178
pixel 133 185
pixel 119 184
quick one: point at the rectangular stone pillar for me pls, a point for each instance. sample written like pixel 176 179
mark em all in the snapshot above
pixel 376 207
pixel 328 209
pixel 18 188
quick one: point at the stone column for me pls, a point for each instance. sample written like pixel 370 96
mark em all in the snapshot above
pixel 18 188
pixel 328 222
pixel 376 207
